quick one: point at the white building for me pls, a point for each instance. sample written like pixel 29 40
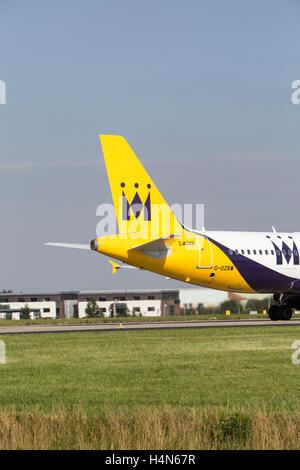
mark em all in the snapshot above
pixel 146 308
pixel 13 310
pixel 73 304
pixel 146 303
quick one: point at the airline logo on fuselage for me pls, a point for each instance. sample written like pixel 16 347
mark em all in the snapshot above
pixel 136 205
pixel 290 256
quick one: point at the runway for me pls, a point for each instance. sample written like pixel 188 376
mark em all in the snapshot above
pixel 168 325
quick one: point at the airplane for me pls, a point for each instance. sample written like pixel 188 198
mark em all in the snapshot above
pixel 151 238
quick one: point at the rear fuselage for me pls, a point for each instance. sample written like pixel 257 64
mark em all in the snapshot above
pixel 232 261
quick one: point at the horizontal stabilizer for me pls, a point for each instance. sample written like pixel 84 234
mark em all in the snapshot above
pixel 154 243
pixel 69 245
pixel 116 266
pixel 156 248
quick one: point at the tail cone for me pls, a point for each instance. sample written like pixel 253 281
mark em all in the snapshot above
pixel 94 245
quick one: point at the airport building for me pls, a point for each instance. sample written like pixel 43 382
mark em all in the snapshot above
pixel 147 302
pixel 152 303
pixel 41 305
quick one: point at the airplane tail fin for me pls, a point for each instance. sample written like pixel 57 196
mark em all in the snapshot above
pixel 139 206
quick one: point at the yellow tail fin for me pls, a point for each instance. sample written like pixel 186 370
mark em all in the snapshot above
pixel 139 206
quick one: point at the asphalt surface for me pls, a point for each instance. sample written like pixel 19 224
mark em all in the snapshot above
pixel 35 329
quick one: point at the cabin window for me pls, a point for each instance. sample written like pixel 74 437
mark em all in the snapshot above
pixel 243 252
pixel 260 252
pixel 254 252
pixel 272 252
pixel 230 252
pixel 249 252
pixel 266 251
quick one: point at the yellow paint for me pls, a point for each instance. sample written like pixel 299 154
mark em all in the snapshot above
pixel 227 312
pixel 187 256
pixel 115 266
pixel 125 171
pixel 182 262
pixel 264 312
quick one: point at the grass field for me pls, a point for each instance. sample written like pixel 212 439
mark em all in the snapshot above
pixel 221 388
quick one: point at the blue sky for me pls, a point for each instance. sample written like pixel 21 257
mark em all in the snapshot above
pixel 202 92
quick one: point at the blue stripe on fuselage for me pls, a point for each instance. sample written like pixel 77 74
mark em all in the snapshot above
pixel 259 277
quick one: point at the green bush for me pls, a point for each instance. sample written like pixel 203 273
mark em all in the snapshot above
pixel 93 310
pixel 235 426
pixel 25 313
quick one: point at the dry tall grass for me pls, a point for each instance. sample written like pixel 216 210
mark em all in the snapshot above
pixel 167 428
